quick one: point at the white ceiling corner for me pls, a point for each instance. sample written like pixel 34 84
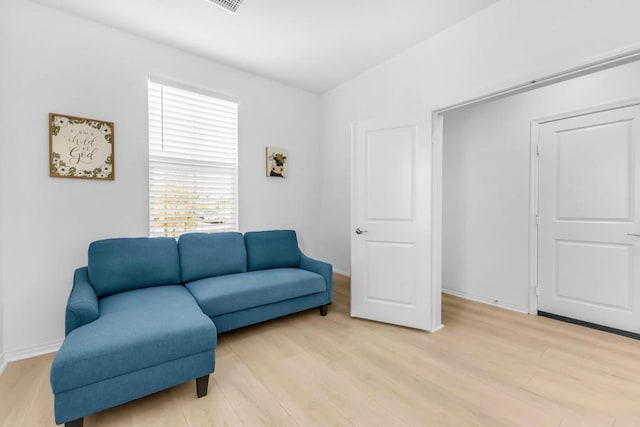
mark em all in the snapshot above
pixel 311 44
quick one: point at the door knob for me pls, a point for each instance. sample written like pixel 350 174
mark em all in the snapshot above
pixel 360 231
pixel 628 234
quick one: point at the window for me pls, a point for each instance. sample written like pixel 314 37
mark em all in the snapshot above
pixel 193 142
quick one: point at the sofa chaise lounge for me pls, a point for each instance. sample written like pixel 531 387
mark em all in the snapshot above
pixel 144 314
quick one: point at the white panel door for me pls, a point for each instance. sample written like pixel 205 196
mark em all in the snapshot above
pixel 588 255
pixel 390 222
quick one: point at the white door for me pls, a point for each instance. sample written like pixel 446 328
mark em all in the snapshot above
pixel 390 240
pixel 589 207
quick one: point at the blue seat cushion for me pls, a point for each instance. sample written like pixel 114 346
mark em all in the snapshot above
pixel 234 292
pixel 117 265
pixel 272 249
pixel 211 254
pixel 136 329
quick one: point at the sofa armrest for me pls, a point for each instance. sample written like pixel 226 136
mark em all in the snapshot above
pixel 322 268
pixel 82 305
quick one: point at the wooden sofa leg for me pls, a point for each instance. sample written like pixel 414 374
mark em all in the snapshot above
pixel 323 310
pixel 202 386
pixel 75 423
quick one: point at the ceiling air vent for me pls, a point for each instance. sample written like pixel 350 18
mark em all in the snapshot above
pixel 230 5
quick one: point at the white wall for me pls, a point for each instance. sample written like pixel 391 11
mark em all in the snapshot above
pixel 54 62
pixel 506 44
pixel 3 46
pixel 486 182
pixel 2 322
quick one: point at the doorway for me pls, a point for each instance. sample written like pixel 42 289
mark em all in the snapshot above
pixel 490 239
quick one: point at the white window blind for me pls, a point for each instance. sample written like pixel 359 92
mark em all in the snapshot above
pixel 192 162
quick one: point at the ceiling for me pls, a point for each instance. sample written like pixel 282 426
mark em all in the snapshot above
pixel 311 44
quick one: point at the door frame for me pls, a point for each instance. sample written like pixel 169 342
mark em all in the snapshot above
pixel 608 60
pixel 534 196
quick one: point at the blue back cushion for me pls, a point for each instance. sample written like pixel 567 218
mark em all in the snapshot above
pixel 117 265
pixel 272 249
pixel 205 255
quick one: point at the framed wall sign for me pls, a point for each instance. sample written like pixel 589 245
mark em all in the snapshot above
pixel 277 164
pixel 80 148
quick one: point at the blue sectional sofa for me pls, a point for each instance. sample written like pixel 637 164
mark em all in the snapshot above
pixel 144 314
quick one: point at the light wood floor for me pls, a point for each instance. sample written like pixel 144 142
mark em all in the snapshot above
pixel 487 367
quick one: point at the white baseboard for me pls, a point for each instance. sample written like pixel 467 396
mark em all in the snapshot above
pixel 342 273
pixel 3 363
pixel 486 300
pixel 33 351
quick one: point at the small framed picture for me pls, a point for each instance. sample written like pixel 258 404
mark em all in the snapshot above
pixel 80 148
pixel 277 162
